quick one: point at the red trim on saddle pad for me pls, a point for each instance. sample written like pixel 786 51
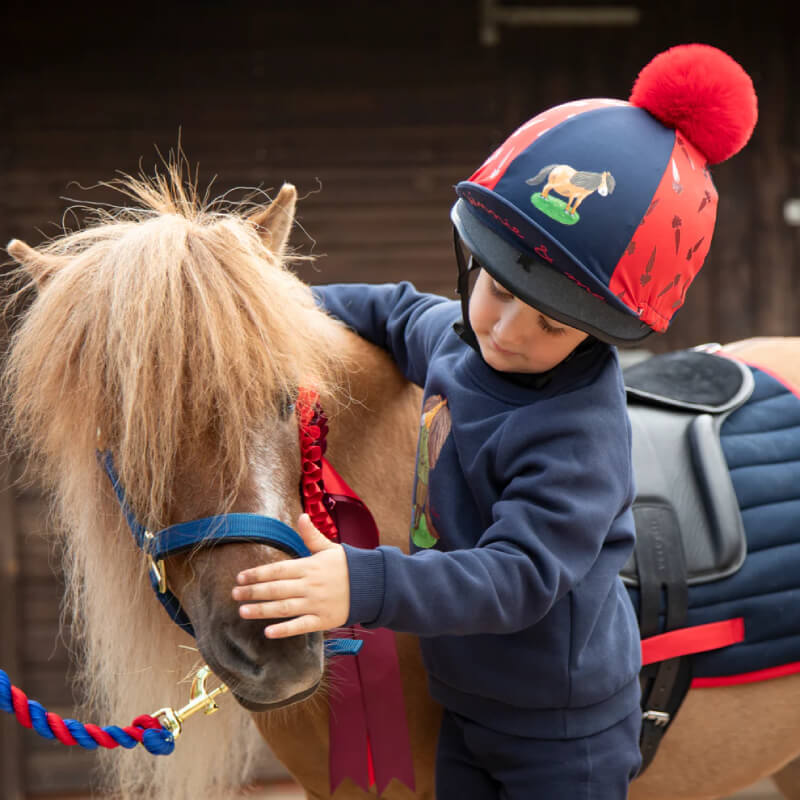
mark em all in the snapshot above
pixel 697 639
pixel 747 677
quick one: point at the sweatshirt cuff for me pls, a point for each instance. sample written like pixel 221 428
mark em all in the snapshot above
pixel 367 581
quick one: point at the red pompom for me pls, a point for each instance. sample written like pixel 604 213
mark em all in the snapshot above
pixel 703 93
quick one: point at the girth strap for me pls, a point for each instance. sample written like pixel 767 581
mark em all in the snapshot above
pixel 662 572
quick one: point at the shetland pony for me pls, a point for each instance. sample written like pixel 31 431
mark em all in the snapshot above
pixel 174 335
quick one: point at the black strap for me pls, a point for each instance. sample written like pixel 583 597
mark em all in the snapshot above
pixel 464 329
pixel 663 583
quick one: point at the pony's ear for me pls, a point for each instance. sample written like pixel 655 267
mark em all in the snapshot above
pixel 40 266
pixel 275 222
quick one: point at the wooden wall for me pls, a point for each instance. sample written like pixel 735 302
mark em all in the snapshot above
pixel 374 111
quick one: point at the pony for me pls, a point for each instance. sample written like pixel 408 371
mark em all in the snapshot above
pixel 175 335
pixel 575 186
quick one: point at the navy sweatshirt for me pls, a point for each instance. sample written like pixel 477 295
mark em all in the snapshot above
pixel 521 524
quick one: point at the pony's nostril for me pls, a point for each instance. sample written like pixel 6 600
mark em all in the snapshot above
pixel 245 645
pixel 247 650
pixel 236 651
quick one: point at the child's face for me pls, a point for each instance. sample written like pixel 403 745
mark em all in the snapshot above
pixel 513 336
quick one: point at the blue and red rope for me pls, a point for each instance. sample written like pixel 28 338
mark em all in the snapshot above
pixel 144 730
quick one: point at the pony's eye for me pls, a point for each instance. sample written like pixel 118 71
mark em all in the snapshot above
pixel 287 404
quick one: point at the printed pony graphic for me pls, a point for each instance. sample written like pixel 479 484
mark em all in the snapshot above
pixel 433 431
pixel 574 185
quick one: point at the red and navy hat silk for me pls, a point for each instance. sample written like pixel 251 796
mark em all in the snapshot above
pixel 672 241
pixel 605 194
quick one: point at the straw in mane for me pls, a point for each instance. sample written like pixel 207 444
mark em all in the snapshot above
pixel 173 333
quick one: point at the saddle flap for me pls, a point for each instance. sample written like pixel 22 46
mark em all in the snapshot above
pixel 679 464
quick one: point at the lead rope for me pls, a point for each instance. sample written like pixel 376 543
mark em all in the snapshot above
pixel 145 729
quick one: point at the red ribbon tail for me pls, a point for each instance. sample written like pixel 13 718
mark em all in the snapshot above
pixel 347 725
pixel 369 728
pixel 387 724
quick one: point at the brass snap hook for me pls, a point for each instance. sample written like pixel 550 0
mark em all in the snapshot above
pixel 201 700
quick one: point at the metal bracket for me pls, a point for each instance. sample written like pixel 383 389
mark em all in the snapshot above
pixel 660 718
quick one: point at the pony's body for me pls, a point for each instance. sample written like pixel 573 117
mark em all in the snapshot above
pixel 191 401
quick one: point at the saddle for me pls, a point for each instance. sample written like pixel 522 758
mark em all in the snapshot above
pixel 689 528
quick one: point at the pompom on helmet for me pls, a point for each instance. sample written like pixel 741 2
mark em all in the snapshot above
pixel 600 212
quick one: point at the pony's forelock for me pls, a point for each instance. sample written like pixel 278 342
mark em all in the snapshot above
pixel 168 325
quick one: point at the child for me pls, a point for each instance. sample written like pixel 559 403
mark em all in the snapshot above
pixel 585 229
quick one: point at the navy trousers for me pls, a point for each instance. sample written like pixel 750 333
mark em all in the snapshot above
pixel 475 763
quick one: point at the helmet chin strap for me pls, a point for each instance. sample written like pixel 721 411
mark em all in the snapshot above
pixel 463 328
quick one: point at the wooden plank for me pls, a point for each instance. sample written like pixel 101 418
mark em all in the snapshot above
pixel 10 731
pixel 36 552
pixel 50 683
pixel 347 146
pixel 53 767
pixel 45 643
pixel 776 283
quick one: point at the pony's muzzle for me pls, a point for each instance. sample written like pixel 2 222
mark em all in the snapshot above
pixel 263 671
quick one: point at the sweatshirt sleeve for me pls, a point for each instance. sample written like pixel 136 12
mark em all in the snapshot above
pixel 395 317
pixel 548 529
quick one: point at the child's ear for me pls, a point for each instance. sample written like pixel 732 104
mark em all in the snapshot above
pixel 274 223
pixel 40 266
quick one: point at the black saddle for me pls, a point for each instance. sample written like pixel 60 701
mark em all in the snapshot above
pixel 689 528
pixel 677 403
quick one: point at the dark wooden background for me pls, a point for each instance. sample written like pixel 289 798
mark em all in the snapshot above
pixel 374 110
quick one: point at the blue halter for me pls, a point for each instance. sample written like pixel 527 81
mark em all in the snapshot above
pixel 207 531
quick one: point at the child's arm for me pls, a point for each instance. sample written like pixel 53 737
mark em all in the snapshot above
pixel 395 317
pixel 523 564
pixel 552 525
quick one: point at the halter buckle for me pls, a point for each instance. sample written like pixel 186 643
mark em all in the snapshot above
pixel 157 569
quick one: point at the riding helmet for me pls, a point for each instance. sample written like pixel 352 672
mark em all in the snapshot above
pixel 600 212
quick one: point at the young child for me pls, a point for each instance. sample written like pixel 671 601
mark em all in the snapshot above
pixel 585 229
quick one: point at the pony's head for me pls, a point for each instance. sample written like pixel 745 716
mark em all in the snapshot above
pixel 172 335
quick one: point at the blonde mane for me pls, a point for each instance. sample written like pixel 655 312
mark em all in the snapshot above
pixel 155 330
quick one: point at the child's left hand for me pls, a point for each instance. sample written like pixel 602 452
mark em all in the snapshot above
pixel 315 590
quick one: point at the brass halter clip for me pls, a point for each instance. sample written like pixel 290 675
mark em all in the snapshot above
pixel 157 568
pixel 201 700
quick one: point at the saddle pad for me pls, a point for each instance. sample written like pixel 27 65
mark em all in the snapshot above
pixel 761 443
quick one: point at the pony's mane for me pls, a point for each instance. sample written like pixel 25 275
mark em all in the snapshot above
pixel 154 328
pixel 162 326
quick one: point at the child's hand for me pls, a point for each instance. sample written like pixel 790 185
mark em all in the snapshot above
pixel 315 590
